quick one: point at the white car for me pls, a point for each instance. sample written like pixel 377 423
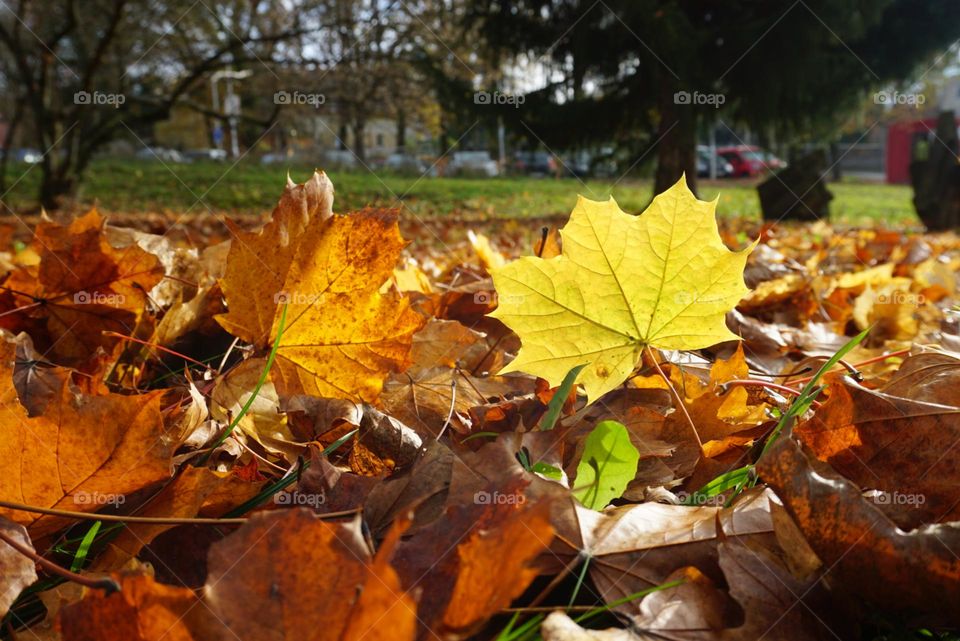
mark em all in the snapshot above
pixel 405 163
pixel 472 163
pixel 218 155
pixel 161 154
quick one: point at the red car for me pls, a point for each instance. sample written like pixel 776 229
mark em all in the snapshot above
pixel 749 161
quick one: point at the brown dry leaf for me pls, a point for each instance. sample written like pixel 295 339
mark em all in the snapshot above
pixel 195 492
pixel 437 384
pixel 460 561
pixel 896 445
pixel 549 243
pixel 490 258
pixel 775 606
pixel 37 381
pixel 866 552
pixel 725 420
pixel 668 448
pixel 84 453
pixel 16 570
pixel 889 310
pixel 82 287
pixel 930 377
pixel 636 547
pixel 486 558
pixel 717 412
pixel 309 580
pixel 143 610
pixel 342 336
pixel 263 421
pixel 340 490
pixel 423 399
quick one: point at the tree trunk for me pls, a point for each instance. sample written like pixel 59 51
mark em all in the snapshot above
pixel 56 185
pixel 836 173
pixel 401 131
pixel 359 150
pixel 8 139
pixel 936 178
pixel 677 136
pixel 779 199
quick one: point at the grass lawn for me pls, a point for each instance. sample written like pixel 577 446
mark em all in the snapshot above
pixel 135 185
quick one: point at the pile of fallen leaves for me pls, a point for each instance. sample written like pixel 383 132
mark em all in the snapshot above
pixel 631 431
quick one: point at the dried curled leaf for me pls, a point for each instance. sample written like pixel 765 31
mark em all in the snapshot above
pixel 17 571
pixel 82 287
pixel 663 279
pixel 84 453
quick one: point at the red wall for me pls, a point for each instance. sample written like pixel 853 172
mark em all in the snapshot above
pixel 899 143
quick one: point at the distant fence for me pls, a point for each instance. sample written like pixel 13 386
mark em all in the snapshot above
pixel 862 157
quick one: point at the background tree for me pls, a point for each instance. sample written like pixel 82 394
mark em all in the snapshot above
pixel 152 54
pixel 614 70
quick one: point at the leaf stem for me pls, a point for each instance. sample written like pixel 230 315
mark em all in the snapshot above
pixel 152 520
pixel 676 395
pixel 154 346
pixel 748 382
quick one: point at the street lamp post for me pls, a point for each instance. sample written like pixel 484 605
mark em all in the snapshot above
pixel 231 105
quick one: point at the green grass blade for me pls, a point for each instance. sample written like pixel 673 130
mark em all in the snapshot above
pixel 284 482
pixel 256 390
pixel 81 556
pixel 811 390
pixel 556 403
pixel 630 597
pixel 719 485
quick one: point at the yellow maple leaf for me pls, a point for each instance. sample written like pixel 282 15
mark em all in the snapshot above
pixel 663 279
pixel 342 335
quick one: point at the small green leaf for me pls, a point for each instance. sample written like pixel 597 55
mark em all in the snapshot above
pixel 608 465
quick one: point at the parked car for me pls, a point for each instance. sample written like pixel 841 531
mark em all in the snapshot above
pixel 338 158
pixel 275 157
pixel 472 163
pixel 773 162
pixel 405 164
pixel 724 168
pixel 747 161
pixel 535 163
pixel 206 154
pixel 575 165
pixel 162 154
